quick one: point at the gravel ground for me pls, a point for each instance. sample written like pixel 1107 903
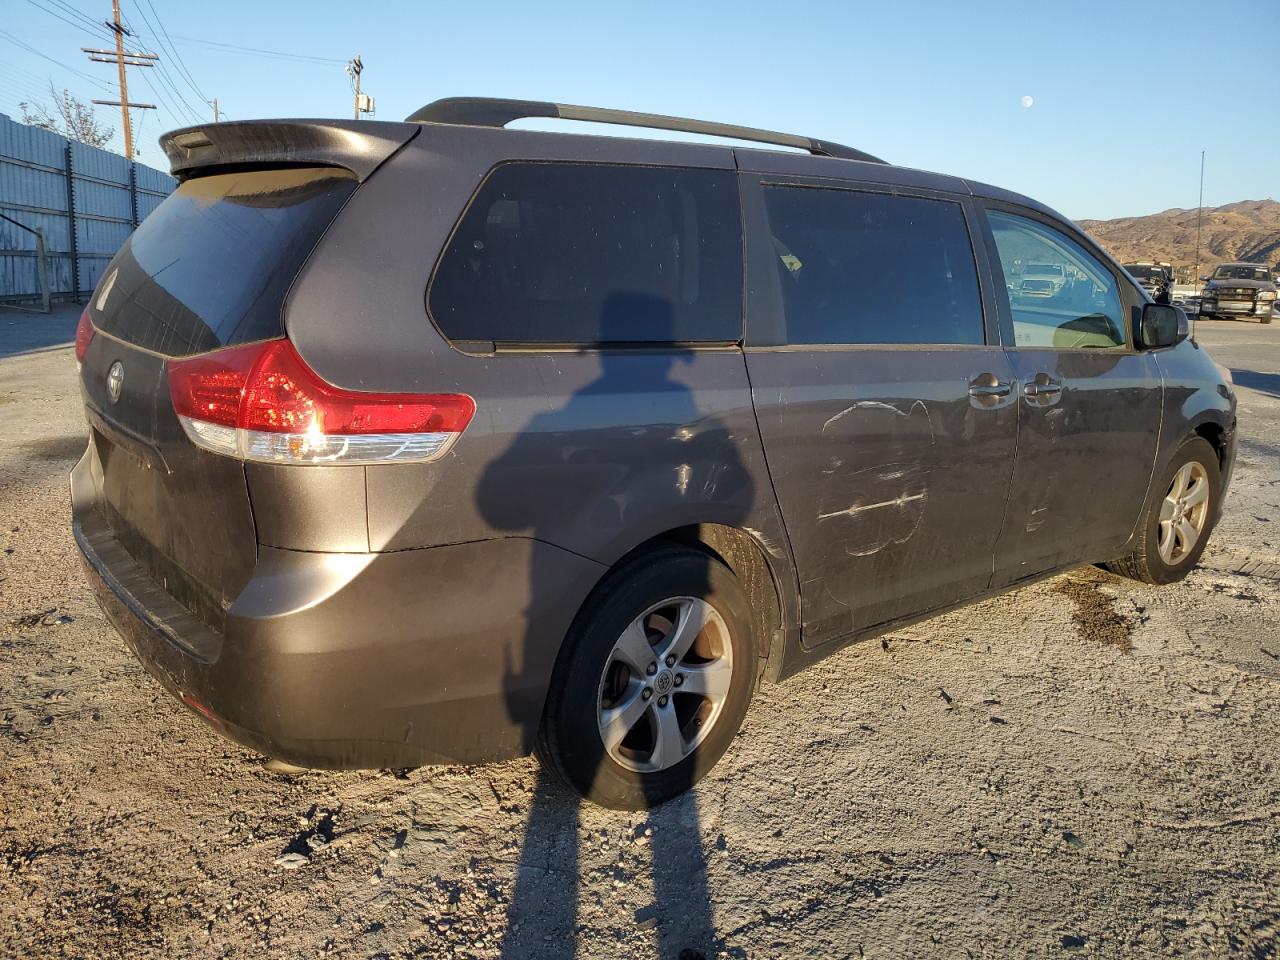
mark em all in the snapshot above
pixel 1087 766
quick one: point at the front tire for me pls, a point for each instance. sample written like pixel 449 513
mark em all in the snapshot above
pixel 653 681
pixel 1176 525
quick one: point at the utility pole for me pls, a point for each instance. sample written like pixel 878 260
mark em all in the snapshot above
pixel 214 103
pixel 354 69
pixel 1199 217
pixel 364 102
pixel 124 84
pixel 122 58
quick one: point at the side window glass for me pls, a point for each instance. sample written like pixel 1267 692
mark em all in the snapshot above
pixel 1059 294
pixel 560 253
pixel 860 268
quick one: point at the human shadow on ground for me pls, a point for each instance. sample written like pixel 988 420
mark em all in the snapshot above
pixel 606 444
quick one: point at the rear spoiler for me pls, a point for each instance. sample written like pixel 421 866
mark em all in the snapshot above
pixel 358 146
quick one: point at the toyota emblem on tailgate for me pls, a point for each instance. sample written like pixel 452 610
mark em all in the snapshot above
pixel 115 380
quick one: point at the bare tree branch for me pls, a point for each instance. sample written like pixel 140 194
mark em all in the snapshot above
pixel 69 116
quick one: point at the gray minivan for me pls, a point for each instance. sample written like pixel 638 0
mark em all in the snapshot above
pixel 439 442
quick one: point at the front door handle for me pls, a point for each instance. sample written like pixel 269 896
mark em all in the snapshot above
pixel 986 385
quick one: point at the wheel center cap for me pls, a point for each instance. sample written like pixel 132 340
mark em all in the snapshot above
pixel 663 682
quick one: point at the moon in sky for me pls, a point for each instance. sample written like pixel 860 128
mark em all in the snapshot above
pixel 1027 101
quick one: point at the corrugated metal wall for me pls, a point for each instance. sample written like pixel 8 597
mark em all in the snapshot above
pixel 42 178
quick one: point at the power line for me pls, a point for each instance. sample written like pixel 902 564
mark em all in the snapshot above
pixel 22 82
pixel 122 60
pixel 97 34
pixel 44 56
pixel 177 57
pixel 173 105
pixel 166 101
pixel 168 81
pixel 87 25
pixel 100 26
pixel 256 51
pixel 80 15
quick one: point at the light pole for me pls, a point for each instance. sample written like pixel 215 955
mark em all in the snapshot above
pixel 1199 218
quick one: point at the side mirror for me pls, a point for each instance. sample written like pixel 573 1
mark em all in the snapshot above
pixel 1163 326
pixel 1204 279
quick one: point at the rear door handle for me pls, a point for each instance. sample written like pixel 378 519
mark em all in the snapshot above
pixel 989 385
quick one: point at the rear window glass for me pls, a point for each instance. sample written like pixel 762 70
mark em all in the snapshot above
pixel 551 253
pixel 873 268
pixel 212 265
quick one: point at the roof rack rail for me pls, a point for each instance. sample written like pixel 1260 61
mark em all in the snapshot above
pixel 497 112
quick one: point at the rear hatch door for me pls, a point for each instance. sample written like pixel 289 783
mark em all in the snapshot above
pixel 210 268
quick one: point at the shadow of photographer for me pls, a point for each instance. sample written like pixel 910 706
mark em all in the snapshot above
pixel 610 460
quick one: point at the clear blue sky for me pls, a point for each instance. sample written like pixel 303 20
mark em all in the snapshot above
pixel 1125 94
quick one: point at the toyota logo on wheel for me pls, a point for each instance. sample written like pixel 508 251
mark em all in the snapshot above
pixel 115 380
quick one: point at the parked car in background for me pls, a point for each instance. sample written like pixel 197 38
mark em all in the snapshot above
pixel 440 442
pixel 1239 290
pixel 1042 280
pixel 1155 278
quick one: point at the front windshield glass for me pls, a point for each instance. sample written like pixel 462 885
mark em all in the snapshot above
pixel 1143 272
pixel 1242 273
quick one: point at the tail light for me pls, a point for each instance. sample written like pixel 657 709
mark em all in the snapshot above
pixel 84 334
pixel 262 402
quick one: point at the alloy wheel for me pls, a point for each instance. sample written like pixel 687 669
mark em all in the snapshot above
pixel 1183 512
pixel 665 684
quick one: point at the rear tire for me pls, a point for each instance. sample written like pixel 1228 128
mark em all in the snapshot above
pixel 661 662
pixel 1176 524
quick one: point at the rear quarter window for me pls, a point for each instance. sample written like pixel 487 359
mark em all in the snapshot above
pixel 589 254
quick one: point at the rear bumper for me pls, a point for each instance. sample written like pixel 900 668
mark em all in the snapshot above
pixel 439 655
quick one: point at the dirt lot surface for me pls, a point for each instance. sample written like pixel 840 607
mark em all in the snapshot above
pixel 1086 767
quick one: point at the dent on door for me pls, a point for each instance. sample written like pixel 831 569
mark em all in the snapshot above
pixel 866 510
pixel 891 475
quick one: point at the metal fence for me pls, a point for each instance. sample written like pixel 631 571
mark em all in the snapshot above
pixel 83 201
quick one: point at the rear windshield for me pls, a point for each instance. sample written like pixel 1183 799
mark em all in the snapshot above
pixel 584 254
pixel 212 265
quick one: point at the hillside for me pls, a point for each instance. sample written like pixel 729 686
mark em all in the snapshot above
pixel 1246 230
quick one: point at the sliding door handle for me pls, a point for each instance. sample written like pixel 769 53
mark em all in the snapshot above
pixel 1038 389
pixel 989 386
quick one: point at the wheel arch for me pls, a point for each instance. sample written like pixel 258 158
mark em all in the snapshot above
pixel 748 559
pixel 1213 432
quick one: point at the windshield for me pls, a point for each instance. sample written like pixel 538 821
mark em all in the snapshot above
pixel 1044 269
pixel 1140 272
pixel 1242 273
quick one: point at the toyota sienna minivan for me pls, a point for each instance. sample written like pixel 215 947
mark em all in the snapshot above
pixel 440 442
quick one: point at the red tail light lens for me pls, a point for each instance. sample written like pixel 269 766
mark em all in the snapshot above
pixel 209 387
pixel 262 402
pixel 84 333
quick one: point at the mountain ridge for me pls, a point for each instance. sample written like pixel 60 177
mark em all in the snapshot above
pixel 1244 230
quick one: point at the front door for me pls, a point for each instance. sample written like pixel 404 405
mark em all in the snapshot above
pixel 1090 405
pixel 886 410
